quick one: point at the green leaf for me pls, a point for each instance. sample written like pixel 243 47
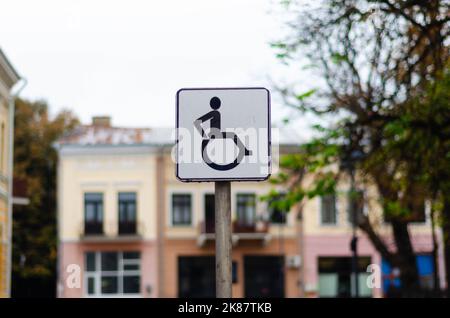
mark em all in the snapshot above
pixel 338 58
pixel 306 94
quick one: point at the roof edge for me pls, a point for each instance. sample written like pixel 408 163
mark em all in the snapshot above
pixel 9 68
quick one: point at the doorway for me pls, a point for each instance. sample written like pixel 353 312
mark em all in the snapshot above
pixel 264 276
pixel 196 277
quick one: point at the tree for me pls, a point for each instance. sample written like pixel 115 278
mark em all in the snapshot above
pixel 34 225
pixel 374 57
pixel 425 136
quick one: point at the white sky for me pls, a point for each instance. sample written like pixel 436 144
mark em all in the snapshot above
pixel 127 58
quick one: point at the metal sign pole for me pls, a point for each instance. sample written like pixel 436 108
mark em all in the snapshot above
pixel 223 238
pixel 200 109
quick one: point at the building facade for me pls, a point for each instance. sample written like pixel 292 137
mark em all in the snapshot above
pixel 128 227
pixel 326 236
pixel 8 78
pixel 265 242
pixel 106 212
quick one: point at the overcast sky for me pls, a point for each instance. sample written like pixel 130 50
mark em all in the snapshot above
pixel 127 58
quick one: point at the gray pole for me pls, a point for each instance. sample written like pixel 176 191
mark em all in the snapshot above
pixel 223 238
pixel 354 241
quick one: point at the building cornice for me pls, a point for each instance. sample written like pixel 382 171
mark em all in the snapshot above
pixel 75 150
pixel 12 76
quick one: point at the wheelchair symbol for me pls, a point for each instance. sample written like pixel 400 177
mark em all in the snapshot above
pixel 216 133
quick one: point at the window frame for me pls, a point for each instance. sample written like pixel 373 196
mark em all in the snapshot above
pixel 203 216
pixel 336 212
pixel 127 203
pixel 284 214
pixel 102 219
pixel 120 273
pixel 191 218
pixel 426 215
pixel 414 224
pixel 255 214
pixel 364 207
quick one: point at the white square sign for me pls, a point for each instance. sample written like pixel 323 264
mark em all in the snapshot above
pixel 223 134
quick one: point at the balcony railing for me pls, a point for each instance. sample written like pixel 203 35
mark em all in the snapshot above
pixel 238 227
pixel 256 227
pixel 98 231
pixel 93 228
pixel 127 228
pixel 257 232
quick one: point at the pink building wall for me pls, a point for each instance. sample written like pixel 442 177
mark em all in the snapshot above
pixel 315 246
pixel 73 253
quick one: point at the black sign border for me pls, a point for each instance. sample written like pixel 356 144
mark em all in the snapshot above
pixel 269 144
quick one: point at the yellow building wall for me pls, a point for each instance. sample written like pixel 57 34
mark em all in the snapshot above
pixel 198 191
pixel 313 226
pixel 183 240
pixel 108 174
pixel 4 140
pixel 4 154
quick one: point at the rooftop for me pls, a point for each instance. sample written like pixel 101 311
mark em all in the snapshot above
pixel 116 136
pixel 7 70
pixel 100 132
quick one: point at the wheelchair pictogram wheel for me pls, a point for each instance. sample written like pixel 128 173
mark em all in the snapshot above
pixel 224 167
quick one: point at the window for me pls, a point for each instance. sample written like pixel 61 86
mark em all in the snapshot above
pixel 277 212
pixel 112 273
pixel 328 215
pixel 359 201
pixel 246 209
pixel 196 276
pixel 419 214
pixel 234 272
pixel 93 213
pixel 181 209
pixel 335 277
pixel 127 213
pixel 417 211
pixel 209 213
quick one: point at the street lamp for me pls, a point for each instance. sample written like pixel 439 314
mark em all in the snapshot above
pixel 348 162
